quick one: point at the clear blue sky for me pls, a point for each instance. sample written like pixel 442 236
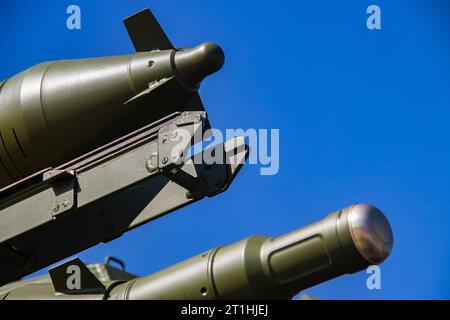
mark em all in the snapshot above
pixel 363 117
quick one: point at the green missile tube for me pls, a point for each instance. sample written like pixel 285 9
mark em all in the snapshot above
pixel 347 241
pixel 57 111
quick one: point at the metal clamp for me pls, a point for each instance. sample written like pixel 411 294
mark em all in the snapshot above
pixel 173 143
pixel 63 185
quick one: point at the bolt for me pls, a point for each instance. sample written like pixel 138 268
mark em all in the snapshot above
pixel 152 162
pixel 150 165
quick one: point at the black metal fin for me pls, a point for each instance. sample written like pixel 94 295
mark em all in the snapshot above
pixel 146 33
pixel 73 277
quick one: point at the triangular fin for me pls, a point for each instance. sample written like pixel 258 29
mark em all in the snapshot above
pixel 74 277
pixel 146 32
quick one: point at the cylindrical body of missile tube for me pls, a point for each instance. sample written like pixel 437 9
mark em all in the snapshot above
pixel 57 111
pixel 347 241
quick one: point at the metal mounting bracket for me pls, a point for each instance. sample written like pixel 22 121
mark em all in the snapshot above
pixel 173 144
pixel 97 197
pixel 63 195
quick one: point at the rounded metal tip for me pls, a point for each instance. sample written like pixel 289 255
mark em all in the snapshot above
pixel 208 56
pixel 193 65
pixel 371 232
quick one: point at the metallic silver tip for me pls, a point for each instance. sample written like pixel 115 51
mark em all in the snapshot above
pixel 371 232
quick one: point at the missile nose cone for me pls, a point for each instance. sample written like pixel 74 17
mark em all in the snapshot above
pixel 208 56
pixel 370 232
pixel 194 65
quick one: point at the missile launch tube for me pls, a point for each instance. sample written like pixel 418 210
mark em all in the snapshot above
pixel 57 111
pixel 347 241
